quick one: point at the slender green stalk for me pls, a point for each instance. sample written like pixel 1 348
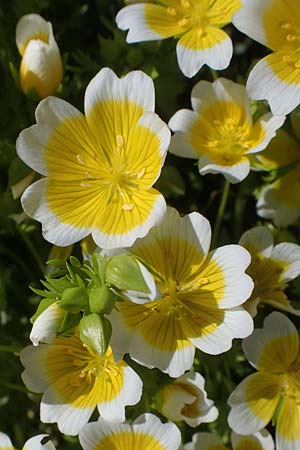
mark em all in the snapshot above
pixel 13 386
pixel 32 250
pixel 220 213
pixel 10 349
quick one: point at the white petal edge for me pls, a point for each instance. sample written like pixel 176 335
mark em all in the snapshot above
pixel 270 124
pixel 258 240
pixel 234 174
pixel 34 443
pixel 133 18
pixel 29 26
pixel 5 442
pixel 263 437
pixel 46 325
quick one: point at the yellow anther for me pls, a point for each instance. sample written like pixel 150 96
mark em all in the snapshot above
pixel 286 58
pixel 291 38
pixel 171 11
pixel 297 64
pixel 81 159
pixel 185 4
pixel 85 184
pixel 286 25
pixel 183 22
pixel 128 207
pixel 141 173
pixel 120 141
pixel 201 32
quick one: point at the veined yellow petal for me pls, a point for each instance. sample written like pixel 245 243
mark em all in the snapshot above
pixel 288 425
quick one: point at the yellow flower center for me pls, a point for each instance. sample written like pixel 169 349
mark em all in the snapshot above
pixel 291 384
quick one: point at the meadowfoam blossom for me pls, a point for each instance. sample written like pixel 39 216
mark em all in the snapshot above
pixel 275 24
pixel 197 23
pixel 146 432
pixel 99 168
pixel 274 391
pixel 280 200
pixel 41 66
pixel 262 440
pixel 186 399
pixel 34 443
pixel 219 131
pixel 201 294
pixel 271 269
pixel 75 380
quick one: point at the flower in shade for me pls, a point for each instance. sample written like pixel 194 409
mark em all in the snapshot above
pixel 41 66
pixel 197 23
pixel 219 131
pixel 186 399
pixel 275 24
pixel 280 200
pixel 75 380
pixel 271 269
pixel 274 391
pixel 146 432
pixel 99 168
pixel 33 443
pixel 201 294
pixel 262 440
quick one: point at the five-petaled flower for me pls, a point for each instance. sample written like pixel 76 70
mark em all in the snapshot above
pixel 201 294
pixel 198 24
pixel 271 269
pixel 275 389
pixel 99 168
pixel 219 132
pixel 75 380
pixel 41 66
pixel 275 24
pixel 146 432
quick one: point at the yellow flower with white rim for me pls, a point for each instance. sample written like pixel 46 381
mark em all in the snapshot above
pixel 219 131
pixel 272 268
pixel 197 23
pixel 280 200
pixel 41 66
pixel 275 389
pixel 186 399
pixel 262 440
pixel 75 380
pixel 201 294
pixel 146 432
pixel 99 168
pixel 33 443
pixel 275 24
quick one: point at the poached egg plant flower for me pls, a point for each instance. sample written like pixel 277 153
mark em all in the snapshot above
pixel 99 168
pixel 262 440
pixel 201 294
pixel 275 389
pixel 197 23
pixel 75 380
pixel 146 432
pixel 219 131
pixel 275 24
pixel 33 443
pixel 41 66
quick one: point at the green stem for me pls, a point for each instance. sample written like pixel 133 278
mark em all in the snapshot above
pixel 220 214
pixel 32 250
pixel 13 386
pixel 10 349
pixel 214 74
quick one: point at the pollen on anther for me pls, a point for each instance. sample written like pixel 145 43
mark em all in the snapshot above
pixel 171 11
pixel 128 207
pixel 80 159
pixel 120 141
pixel 141 173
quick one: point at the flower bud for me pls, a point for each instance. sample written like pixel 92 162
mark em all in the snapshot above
pixel 41 66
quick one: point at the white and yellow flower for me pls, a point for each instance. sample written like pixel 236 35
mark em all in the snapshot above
pixel 99 168
pixel 271 269
pixel 146 432
pixel 275 389
pixel 219 132
pixel 75 380
pixel 201 296
pixel 262 440
pixel 41 66
pixel 186 399
pixel 197 23
pixel 280 200
pixel 275 24
pixel 33 443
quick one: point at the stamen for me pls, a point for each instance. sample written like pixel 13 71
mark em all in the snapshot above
pixel 286 25
pixel 120 141
pixel 141 173
pixel 185 4
pixel 183 22
pixel 85 184
pixel 297 64
pixel 291 38
pixel 81 159
pixel 171 11
pixel 128 207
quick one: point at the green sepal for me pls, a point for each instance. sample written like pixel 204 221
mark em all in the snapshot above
pixel 43 305
pixel 123 272
pixel 69 321
pixel 101 299
pixel 95 332
pixel 74 299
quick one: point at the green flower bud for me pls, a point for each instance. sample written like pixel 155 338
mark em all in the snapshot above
pixel 101 299
pixel 74 299
pixel 95 332
pixel 124 273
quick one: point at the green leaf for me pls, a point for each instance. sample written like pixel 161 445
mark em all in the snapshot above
pixel 101 299
pixel 95 332
pixel 74 299
pixel 123 272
